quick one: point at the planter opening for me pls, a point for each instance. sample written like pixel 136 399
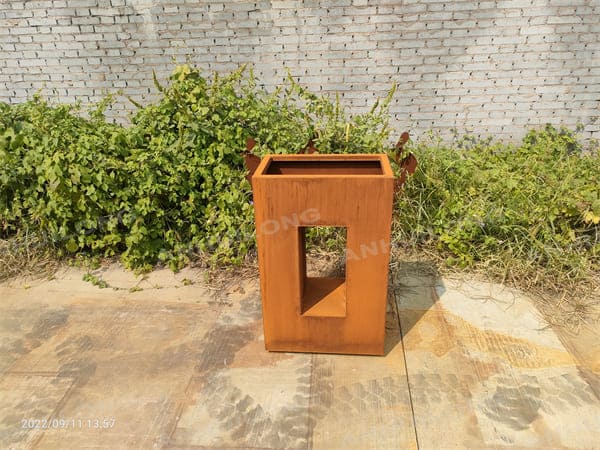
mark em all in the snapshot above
pixel 323 288
pixel 324 167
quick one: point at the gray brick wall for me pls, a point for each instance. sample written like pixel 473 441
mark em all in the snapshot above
pixel 488 67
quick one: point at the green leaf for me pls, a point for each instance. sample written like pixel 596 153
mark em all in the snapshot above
pixel 71 245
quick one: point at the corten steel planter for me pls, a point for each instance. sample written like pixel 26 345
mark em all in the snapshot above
pixel 329 315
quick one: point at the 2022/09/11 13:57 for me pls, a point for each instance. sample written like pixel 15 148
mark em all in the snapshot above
pixel 62 423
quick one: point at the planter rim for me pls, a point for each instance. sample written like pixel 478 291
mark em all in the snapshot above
pixel 382 158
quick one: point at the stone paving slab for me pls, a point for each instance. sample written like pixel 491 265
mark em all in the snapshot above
pixel 368 395
pixel 467 365
pixel 26 392
pixel 482 362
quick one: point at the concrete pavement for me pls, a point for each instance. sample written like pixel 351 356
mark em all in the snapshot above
pixel 164 362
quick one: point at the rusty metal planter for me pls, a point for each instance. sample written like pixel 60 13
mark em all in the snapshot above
pixel 330 315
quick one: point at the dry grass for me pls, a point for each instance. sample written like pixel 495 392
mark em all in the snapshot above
pixel 222 279
pixel 565 304
pixel 27 255
pixel 325 263
pixel 570 312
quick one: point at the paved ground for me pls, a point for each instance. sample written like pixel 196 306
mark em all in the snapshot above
pixel 469 365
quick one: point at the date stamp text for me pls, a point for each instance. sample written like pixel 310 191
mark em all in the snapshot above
pixel 65 424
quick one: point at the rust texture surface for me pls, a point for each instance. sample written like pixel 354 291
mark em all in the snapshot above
pixel 292 192
pixel 172 365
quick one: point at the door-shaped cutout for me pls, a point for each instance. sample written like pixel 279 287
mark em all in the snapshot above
pixel 323 290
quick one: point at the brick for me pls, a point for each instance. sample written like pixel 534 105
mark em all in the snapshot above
pixel 88 37
pixel 65 29
pixel 59 12
pixel 81 3
pixel 45 37
pixel 85 20
pixel 42 21
pixel 19 14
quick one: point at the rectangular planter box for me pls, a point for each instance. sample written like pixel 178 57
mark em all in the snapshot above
pixel 329 315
